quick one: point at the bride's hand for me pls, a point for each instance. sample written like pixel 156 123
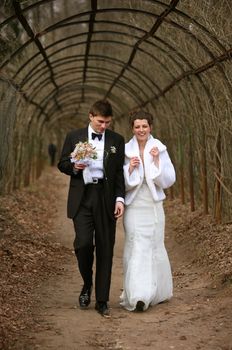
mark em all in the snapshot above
pixel 155 154
pixel 134 162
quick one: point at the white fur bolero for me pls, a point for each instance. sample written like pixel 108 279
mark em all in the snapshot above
pixel 157 178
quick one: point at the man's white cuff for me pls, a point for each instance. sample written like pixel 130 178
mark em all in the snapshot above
pixel 120 199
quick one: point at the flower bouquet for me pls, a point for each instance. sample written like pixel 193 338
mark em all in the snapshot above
pixel 83 153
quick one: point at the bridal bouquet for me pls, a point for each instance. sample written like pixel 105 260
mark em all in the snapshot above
pixel 83 153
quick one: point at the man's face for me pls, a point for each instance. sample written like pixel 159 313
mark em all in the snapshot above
pixel 99 123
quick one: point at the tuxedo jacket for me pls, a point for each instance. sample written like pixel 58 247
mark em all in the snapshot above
pixel 113 181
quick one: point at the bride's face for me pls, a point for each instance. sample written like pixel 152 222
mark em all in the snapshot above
pixel 141 129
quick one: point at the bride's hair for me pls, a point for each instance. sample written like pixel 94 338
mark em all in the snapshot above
pixel 140 114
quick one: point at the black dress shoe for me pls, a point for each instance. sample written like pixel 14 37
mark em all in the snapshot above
pixel 85 297
pixel 102 308
pixel 139 306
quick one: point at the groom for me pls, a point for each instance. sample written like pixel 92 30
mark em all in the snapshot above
pixel 96 201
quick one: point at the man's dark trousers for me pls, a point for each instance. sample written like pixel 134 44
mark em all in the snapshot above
pixel 94 228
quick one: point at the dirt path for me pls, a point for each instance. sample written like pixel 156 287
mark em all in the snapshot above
pixel 198 316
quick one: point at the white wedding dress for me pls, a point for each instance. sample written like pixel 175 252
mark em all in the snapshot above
pixel 147 271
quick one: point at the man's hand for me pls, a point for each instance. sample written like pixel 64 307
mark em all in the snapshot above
pixel 119 210
pixel 79 166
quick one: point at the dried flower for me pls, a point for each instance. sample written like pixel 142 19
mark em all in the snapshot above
pixel 113 149
pixel 83 153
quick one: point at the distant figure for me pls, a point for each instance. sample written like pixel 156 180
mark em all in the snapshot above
pixel 52 153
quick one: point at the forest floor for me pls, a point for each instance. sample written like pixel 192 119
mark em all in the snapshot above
pixel 40 283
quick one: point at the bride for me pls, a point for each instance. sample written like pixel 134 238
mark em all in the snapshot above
pixel 147 171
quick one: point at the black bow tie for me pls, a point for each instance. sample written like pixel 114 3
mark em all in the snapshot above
pixel 99 136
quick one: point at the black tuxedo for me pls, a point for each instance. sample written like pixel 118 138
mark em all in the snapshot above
pixel 113 163
pixel 92 208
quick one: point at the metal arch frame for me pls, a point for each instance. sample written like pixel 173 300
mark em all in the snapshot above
pixel 160 3
pixel 131 27
pixel 102 41
pixel 77 105
pixel 199 70
pixel 180 13
pixel 67 47
pixel 30 33
pixel 74 23
pixel 120 43
pixel 48 98
pixel 105 79
pixel 54 110
pixel 156 87
pixel 114 62
pixel 67 88
pixel 114 99
pixel 128 88
pixel 118 62
pixel 131 10
pixel 173 49
pixel 100 91
pixel 95 70
pixel 120 33
pixel 176 80
pixel 70 104
pixel 151 56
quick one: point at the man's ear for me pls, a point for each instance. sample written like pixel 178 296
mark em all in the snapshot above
pixel 91 117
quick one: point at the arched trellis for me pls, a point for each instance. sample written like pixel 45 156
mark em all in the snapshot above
pixel 136 47
pixel 95 51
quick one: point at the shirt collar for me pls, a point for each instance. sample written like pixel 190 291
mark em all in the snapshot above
pixel 90 130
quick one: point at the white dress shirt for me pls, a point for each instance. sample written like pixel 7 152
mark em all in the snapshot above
pixel 96 165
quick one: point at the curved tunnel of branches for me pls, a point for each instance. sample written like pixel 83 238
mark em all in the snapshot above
pixel 169 57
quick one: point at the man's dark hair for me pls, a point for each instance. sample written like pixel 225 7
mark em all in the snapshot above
pixel 141 115
pixel 102 107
